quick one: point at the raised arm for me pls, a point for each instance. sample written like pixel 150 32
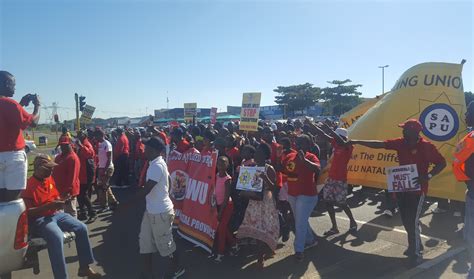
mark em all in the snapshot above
pixel 376 144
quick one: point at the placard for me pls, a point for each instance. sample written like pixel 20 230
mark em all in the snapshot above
pixel 190 110
pixel 249 179
pixel 250 111
pixel 401 178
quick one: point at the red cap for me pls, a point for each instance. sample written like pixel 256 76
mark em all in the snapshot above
pixel 412 124
pixel 64 140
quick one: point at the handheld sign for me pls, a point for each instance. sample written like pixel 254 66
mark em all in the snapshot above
pixel 249 179
pixel 250 111
pixel 401 178
pixel 190 110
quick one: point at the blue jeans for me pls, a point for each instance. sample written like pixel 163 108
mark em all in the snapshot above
pixel 302 206
pixel 51 229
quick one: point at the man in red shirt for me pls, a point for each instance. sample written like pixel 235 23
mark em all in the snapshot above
pixel 66 175
pixel 86 155
pixel 177 138
pixel 44 203
pixel 13 120
pixel 335 188
pixel 412 149
pixel 121 154
pixel 302 168
pixel 139 156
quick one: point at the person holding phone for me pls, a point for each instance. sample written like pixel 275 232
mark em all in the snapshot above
pixel 13 120
pixel 47 220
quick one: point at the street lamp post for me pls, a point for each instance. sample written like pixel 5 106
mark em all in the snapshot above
pixel 383 77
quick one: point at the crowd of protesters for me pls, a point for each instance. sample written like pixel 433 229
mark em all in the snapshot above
pixel 292 153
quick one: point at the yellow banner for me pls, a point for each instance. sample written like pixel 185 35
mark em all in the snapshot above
pixel 430 92
pixel 250 111
pixel 348 118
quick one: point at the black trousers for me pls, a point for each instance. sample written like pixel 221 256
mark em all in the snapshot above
pixel 84 195
pixel 121 170
pixel 411 204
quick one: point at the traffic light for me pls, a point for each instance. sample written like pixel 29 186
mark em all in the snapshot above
pixel 82 103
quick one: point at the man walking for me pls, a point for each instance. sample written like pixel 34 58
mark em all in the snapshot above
pixel 412 149
pixel 104 173
pixel 121 154
pixel 13 120
pixel 86 155
pixel 66 175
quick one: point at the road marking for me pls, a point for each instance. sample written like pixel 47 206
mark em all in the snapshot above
pixel 389 228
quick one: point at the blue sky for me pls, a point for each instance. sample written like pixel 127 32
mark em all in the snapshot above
pixel 125 55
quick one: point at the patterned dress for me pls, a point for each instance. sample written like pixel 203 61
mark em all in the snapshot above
pixel 261 221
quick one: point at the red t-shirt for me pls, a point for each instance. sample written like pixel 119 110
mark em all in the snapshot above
pixel 424 154
pixel 163 137
pixel 183 146
pixel 66 174
pixel 274 158
pixel 340 159
pixel 39 193
pixel 301 180
pixel 86 152
pixel 234 154
pixel 13 120
pixel 139 150
pixel 121 147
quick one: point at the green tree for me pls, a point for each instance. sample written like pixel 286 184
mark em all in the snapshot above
pixel 469 96
pixel 297 97
pixel 341 96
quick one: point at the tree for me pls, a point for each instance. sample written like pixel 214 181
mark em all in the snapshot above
pixel 469 96
pixel 341 97
pixel 297 97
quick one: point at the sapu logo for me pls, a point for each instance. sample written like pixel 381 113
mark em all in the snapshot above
pixel 440 122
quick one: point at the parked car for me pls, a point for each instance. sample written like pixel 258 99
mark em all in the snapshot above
pixel 19 250
pixel 29 146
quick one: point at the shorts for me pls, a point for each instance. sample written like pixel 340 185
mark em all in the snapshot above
pixel 13 169
pixel 335 191
pixel 156 234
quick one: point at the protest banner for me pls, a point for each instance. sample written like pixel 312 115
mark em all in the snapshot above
pixel 249 179
pixel 213 115
pixel 192 186
pixel 430 92
pixel 348 118
pixel 190 110
pixel 87 114
pixel 401 178
pixel 250 111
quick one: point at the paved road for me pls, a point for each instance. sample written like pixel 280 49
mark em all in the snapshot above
pixel 374 251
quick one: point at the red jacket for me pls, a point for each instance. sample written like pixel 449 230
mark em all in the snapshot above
pixel 66 174
pixel 139 150
pixel 85 153
pixel 122 146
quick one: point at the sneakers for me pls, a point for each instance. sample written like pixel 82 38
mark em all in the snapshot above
pixel 218 259
pixel 179 272
pixel 103 209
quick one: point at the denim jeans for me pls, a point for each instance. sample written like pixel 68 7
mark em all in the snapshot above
pixel 51 229
pixel 302 206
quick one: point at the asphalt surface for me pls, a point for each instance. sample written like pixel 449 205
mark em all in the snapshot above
pixel 374 251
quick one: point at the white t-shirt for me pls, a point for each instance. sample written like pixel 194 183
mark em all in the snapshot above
pixel 158 200
pixel 105 147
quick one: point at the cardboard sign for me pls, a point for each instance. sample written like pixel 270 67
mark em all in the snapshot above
pixel 401 178
pixel 190 110
pixel 87 113
pixel 250 111
pixel 213 115
pixel 249 179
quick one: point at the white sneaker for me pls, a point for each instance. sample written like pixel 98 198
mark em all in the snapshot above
pixel 218 259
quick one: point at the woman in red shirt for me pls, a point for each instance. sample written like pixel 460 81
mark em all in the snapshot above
pixel 300 167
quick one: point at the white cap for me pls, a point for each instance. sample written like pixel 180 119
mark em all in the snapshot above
pixel 341 132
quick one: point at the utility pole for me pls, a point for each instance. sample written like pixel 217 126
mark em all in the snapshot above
pixel 383 78
pixel 78 123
